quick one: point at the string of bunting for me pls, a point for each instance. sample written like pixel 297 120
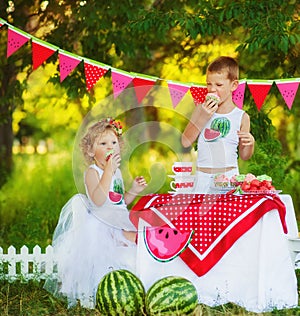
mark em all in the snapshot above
pixel 95 70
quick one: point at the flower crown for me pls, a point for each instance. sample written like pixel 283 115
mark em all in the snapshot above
pixel 116 125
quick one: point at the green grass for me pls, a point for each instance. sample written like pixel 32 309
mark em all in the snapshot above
pixel 30 299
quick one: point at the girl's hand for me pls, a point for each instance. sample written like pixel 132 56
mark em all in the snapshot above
pixel 114 162
pixel 138 185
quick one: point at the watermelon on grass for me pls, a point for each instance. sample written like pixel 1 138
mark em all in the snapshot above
pixel 165 243
pixel 173 296
pixel 120 293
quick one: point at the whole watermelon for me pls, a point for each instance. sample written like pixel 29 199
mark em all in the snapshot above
pixel 120 292
pixel 171 296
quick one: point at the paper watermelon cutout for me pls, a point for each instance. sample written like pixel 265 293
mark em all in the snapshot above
pixel 288 91
pixel 165 243
pixel 115 197
pixel 177 92
pixel 67 64
pixel 210 135
pixel 238 95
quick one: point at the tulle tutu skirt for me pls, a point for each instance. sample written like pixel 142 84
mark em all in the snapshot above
pixel 86 247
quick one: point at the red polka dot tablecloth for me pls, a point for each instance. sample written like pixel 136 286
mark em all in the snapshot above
pixel 217 220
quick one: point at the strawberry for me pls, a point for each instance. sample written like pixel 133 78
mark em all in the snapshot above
pixel 255 183
pixel 267 184
pixel 245 186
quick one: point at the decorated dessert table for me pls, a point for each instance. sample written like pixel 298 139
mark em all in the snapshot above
pixel 232 247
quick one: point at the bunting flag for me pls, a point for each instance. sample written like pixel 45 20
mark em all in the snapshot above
pixel 142 86
pixel 177 92
pixel 288 90
pixel 15 40
pixel 67 64
pixel 40 53
pixel 198 93
pixel 94 70
pixel 259 90
pixel 93 73
pixel 120 81
pixel 239 93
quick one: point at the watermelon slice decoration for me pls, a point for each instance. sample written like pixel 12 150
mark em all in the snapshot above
pixel 115 197
pixel 165 243
pixel 210 135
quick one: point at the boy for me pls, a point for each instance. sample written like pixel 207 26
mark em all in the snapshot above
pixel 229 125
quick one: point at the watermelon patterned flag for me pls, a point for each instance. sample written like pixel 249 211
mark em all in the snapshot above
pixel 120 81
pixel 239 93
pixel 177 92
pixel 142 86
pixel 259 91
pixel 40 53
pixel 14 41
pixel 198 94
pixel 288 90
pixel 93 73
pixel 67 64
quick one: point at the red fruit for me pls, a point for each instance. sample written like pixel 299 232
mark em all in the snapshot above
pixel 255 183
pixel 272 188
pixel 263 188
pixel 267 184
pixel 245 186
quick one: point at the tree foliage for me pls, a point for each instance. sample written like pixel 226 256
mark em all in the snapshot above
pixel 143 37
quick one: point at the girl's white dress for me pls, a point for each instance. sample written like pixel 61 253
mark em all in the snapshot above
pixel 88 243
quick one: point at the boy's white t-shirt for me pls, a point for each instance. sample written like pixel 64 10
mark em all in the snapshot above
pixel 221 152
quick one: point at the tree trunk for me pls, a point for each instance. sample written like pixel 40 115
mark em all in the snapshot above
pixel 6 143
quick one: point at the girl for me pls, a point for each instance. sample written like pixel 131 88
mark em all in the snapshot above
pixel 94 234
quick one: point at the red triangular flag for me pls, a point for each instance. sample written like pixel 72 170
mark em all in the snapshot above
pixel 92 74
pixel 177 92
pixel 40 53
pixel 288 90
pixel 142 86
pixel 198 94
pixel 259 92
pixel 14 41
pixel 67 64
pixel 120 81
pixel 238 94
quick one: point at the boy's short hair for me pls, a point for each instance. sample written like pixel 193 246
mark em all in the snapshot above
pixel 225 63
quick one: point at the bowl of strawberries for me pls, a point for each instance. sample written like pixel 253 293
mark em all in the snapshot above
pixel 251 184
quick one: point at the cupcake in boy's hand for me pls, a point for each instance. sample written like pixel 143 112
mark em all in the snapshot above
pixel 221 180
pixel 109 154
pixel 212 96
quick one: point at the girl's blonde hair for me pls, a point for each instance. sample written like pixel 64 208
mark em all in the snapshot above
pixel 96 130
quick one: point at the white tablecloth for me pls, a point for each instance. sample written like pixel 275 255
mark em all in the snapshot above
pixel 256 273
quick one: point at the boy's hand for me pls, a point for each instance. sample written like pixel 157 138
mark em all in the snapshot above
pixel 246 139
pixel 210 107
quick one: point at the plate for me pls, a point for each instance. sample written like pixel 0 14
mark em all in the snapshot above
pixel 222 189
pixel 181 176
pixel 263 192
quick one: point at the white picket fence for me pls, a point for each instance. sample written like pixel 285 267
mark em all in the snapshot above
pixel 26 266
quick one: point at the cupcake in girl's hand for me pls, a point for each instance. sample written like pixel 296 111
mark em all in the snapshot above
pixel 212 96
pixel 221 180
